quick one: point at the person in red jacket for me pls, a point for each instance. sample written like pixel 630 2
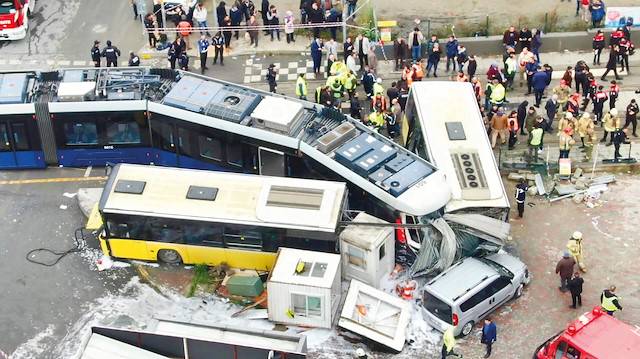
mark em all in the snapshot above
pixel 598 45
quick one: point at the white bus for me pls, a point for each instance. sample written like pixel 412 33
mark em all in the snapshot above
pixel 446 129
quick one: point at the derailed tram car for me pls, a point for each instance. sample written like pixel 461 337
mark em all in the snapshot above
pixel 91 117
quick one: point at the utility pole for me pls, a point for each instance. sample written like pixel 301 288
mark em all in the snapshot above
pixel 215 14
pixel 164 14
pixel 375 17
pixel 344 21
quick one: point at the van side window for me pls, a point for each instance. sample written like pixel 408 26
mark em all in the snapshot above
pixel 499 284
pixel 476 299
pixel 562 347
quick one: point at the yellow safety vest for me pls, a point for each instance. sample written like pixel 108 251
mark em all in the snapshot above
pixel 351 82
pixel 377 89
pixel 497 94
pixel 607 303
pixel 338 68
pixel 301 82
pixel 330 80
pixel 449 339
pixel 376 118
pixel 336 88
pixel 536 136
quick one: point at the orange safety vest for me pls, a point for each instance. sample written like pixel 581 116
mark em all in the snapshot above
pixel 574 103
pixel 464 78
pixel 418 70
pixel 478 89
pixel 379 100
pixel 409 78
pixel 512 124
pixel 185 28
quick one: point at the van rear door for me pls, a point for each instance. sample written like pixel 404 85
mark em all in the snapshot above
pixel 438 313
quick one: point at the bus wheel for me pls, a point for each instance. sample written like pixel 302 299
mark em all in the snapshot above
pixel 169 256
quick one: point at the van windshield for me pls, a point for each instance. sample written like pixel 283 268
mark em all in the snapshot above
pixel 7 7
pixel 437 307
pixel 497 267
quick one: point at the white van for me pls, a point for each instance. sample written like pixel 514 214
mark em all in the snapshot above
pixel 471 289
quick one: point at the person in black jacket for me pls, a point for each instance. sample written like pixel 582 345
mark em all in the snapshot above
pixel 355 108
pixel 111 53
pixel 150 25
pixel 221 13
pixel 315 16
pixel 134 60
pixel 631 117
pixel 579 75
pixel 575 287
pixel 95 53
pixel 619 137
pixel 271 78
pixel 521 195
pixel 522 114
pixel 265 10
pixel 612 64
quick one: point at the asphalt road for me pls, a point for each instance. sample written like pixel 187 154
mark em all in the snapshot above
pixel 36 298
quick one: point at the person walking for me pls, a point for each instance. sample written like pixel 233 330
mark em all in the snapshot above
pixel 498 128
pixel 134 60
pixel 521 196
pixel 564 269
pixel 301 87
pixel 134 5
pixel 271 78
pixel 574 245
pixel 316 55
pixel 489 335
pixel 631 117
pixel 612 64
pixel 609 300
pixel 111 53
pixel 575 287
pixel 95 53
pixel 449 342
pixel 218 46
pixel 203 47
pixel 590 140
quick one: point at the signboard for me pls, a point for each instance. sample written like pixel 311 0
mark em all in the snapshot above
pixel 385 34
pixel 618 16
pixel 388 23
pixel 565 166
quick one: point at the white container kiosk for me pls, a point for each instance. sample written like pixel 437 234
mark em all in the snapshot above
pixel 304 288
pixel 368 252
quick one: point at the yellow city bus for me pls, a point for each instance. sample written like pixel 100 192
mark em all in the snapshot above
pixel 187 216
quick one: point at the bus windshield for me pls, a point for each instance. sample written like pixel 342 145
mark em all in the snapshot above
pixel 7 7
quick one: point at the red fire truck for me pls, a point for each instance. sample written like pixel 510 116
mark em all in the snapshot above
pixel 14 18
pixel 595 335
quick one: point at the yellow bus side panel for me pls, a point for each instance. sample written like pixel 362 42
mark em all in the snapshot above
pixel 154 247
pixel 250 259
pixel 103 245
pixel 130 248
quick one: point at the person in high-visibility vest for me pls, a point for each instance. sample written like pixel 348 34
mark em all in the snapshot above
pixel 513 127
pixel 350 83
pixel 377 87
pixel 574 245
pixel 184 27
pixel 336 90
pixel 379 101
pixel 319 91
pixel 449 340
pixel 498 93
pixel 609 300
pixel 461 77
pixel 418 71
pixel 407 75
pixel 338 68
pixel 376 119
pixel 301 87
pixel 477 88
pixel 535 140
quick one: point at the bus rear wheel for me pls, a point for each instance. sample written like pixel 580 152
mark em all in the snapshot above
pixel 169 256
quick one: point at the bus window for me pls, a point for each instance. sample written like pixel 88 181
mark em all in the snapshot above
pixel 164 231
pixel 123 132
pixel 4 136
pixel 183 142
pixel 210 147
pixel 240 237
pixel 81 133
pixel 205 234
pixel 234 153
pixel 126 227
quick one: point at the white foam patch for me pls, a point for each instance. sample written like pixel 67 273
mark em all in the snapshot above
pixel 69 195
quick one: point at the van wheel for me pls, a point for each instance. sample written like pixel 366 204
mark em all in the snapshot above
pixel 518 292
pixel 466 329
pixel 169 256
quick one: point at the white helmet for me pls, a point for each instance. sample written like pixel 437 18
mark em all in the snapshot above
pixel 379 80
pixel 360 352
pixel 614 112
pixel 586 115
pixel 577 235
pixel 568 116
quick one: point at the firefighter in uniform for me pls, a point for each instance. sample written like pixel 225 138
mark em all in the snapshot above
pixel 611 124
pixel 95 53
pixel 590 140
pixel 574 245
pixel 301 87
pixel 584 123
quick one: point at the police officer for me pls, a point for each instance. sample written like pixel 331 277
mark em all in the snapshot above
pixel 134 60
pixel 271 78
pixel 521 195
pixel 619 137
pixel 111 53
pixel 609 301
pixel 95 53
pixel 301 87
pixel 218 45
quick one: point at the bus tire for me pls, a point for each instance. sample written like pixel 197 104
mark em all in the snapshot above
pixel 169 256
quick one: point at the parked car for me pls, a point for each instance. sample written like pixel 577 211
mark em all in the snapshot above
pixel 471 289
pixel 171 6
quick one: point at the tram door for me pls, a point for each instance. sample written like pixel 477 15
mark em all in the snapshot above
pixel 165 142
pixel 271 162
pixel 15 150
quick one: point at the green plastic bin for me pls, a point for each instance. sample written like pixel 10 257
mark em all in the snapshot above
pixel 245 286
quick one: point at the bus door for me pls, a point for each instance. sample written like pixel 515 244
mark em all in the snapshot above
pixel 166 143
pixel 15 150
pixel 271 162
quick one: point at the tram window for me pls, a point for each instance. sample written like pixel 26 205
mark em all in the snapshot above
pixel 234 153
pixel 4 135
pixel 123 132
pixel 20 136
pixel 183 142
pixel 81 133
pixel 210 147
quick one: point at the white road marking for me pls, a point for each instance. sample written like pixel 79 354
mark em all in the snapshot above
pixel 79 63
pixel 87 172
pixel 64 62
